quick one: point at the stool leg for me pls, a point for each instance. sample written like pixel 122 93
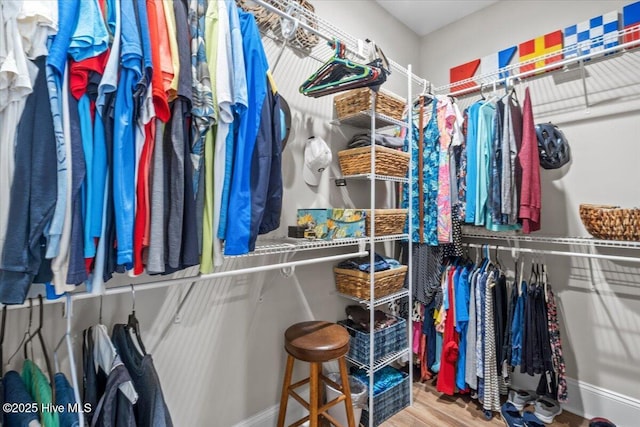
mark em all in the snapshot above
pixel 313 395
pixel 288 373
pixel 320 387
pixel 347 391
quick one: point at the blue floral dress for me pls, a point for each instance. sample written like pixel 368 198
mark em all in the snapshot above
pixel 429 173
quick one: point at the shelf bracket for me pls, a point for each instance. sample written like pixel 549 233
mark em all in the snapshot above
pixel 583 74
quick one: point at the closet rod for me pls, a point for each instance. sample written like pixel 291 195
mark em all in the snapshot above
pixel 198 278
pixel 528 73
pixel 552 252
pixel 307 27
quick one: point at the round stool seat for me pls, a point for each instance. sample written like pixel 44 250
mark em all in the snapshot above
pixel 316 341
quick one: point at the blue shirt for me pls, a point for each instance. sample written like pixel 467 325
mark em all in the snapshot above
pixel 240 104
pixel 90 37
pixel 485 139
pixel 67 18
pixel 238 230
pixel 124 134
pixel 472 165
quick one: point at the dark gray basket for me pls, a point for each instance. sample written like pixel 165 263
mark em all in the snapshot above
pixel 386 341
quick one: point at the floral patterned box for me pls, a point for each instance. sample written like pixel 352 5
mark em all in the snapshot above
pixel 329 224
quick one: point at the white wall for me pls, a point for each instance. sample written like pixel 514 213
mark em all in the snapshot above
pixel 599 301
pixel 223 361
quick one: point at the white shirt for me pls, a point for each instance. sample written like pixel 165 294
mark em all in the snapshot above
pixel 224 93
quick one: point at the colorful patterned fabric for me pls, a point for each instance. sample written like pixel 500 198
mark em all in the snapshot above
pixel 446 118
pixel 430 182
pixel 462 170
pixel 202 109
pixel 556 345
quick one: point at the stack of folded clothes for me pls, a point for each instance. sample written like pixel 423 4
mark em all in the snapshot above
pixel 358 318
pixel 364 140
pixel 364 263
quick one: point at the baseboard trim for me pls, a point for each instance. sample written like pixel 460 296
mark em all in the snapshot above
pixel 266 417
pixel 269 417
pixel 589 401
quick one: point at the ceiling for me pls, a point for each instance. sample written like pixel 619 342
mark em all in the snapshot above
pixel 426 16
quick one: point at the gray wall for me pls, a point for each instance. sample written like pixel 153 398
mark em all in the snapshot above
pixel 223 360
pixel 599 301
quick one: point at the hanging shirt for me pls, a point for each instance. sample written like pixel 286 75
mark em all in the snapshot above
pixel 484 140
pixel 508 190
pixel 217 49
pixel 240 105
pixel 202 110
pixel 15 392
pixel 38 386
pixel 56 64
pixel 37 21
pixel 446 120
pixel 157 34
pixel 33 195
pixel 256 66
pixel 170 19
pixel 530 195
pixel 16 82
pixel 150 409
pixel 124 135
pixel 472 162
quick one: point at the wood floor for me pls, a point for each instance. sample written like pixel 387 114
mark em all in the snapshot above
pixel 433 409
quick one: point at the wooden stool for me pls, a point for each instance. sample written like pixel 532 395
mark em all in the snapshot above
pixel 316 342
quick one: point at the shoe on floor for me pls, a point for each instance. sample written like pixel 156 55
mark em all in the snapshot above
pixel 600 422
pixel 530 420
pixel 521 398
pixel 511 416
pixel 546 409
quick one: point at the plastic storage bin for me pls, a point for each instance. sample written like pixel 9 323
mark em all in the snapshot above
pixel 388 340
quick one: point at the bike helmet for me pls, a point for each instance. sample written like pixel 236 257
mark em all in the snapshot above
pixel 553 147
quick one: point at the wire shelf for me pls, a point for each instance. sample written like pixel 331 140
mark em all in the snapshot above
pixel 575 241
pixel 362 120
pixel 377 301
pixel 368 176
pixel 287 245
pixel 380 363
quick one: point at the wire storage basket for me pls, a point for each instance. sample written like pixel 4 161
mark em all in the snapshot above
pixel 611 222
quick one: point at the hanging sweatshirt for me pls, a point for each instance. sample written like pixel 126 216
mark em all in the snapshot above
pixel 531 191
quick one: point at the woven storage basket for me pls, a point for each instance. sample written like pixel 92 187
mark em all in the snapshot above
pixel 387 221
pixel 387 340
pixel 358 100
pixel 356 283
pixel 390 162
pixel 611 222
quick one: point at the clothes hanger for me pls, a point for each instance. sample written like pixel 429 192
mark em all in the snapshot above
pixel 68 314
pixel 27 333
pixel 497 262
pixel 133 326
pixel 47 360
pixel 337 74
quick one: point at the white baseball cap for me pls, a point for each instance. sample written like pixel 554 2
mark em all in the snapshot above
pixel 317 157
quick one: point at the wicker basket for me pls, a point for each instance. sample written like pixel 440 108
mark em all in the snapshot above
pixel 611 222
pixel 390 162
pixel 387 221
pixel 356 283
pixel 358 100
